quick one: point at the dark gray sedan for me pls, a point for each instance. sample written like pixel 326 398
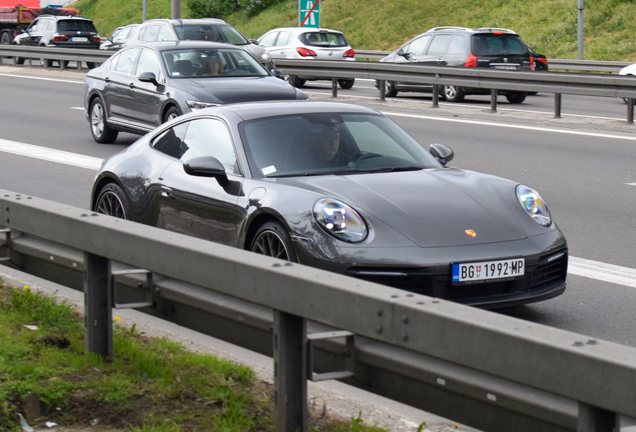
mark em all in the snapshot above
pixel 144 85
pixel 342 188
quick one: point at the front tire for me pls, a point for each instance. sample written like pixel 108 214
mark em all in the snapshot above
pixel 453 93
pixel 172 113
pixel 112 202
pixel 346 83
pixel 516 97
pixel 389 89
pixel 296 82
pixel 102 133
pixel 272 239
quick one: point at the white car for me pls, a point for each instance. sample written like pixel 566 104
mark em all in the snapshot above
pixel 308 43
pixel 628 70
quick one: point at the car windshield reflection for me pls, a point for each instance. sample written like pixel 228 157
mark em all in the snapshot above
pixel 327 144
pixel 211 63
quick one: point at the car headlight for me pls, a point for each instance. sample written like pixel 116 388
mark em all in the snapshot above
pixel 266 56
pixel 197 105
pixel 534 205
pixel 340 220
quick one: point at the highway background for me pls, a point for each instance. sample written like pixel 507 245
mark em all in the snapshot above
pixel 582 164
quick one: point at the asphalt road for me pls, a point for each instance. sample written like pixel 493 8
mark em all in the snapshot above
pixel 582 164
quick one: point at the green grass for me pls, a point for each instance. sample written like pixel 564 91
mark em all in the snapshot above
pixel 548 26
pixel 151 385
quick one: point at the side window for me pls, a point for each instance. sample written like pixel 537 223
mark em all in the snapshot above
pixel 171 141
pixel 112 63
pixel 149 34
pixel 457 45
pixel 269 39
pixel 47 25
pixel 439 45
pixel 34 25
pixel 418 46
pixel 165 34
pixel 148 63
pixel 283 39
pixel 126 62
pixel 208 137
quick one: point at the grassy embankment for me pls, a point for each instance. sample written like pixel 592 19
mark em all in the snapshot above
pixel 152 384
pixel 549 26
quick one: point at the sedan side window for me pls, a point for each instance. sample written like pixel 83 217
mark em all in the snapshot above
pixel 149 34
pixel 208 137
pixel 148 63
pixel 165 34
pixel 171 141
pixel 127 61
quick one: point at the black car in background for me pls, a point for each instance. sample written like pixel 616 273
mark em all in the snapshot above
pixel 144 85
pixel 60 31
pixel 495 48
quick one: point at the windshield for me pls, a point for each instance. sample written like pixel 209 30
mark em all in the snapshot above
pixel 211 63
pixel 323 39
pixel 76 25
pixel 327 143
pixel 210 32
pixel 498 45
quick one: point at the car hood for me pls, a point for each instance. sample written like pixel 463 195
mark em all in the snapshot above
pixel 235 90
pixel 432 208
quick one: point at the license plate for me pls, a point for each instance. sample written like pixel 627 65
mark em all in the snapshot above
pixel 489 270
pixel 506 67
pixel 79 39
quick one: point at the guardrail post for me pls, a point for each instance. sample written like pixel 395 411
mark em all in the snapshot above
pixel 593 419
pixel 98 325
pixel 290 373
pixel 557 105
pixel 381 89
pixel 334 87
pixel 493 100
pixel 630 111
pixel 435 95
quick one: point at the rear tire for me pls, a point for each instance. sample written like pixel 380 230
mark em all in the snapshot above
pixel 102 133
pixel 453 93
pixel 172 113
pixel 516 97
pixel 389 89
pixel 19 60
pixel 297 82
pixel 272 239
pixel 346 83
pixel 112 202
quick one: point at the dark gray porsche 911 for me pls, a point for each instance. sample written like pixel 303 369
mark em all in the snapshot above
pixel 342 188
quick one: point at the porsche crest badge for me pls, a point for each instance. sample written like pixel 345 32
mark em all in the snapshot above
pixel 471 233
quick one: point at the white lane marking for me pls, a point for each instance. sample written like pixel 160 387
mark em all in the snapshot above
pixel 577 266
pixel 50 155
pixel 601 271
pixel 630 184
pixel 533 128
pixel 44 79
pixel 77 108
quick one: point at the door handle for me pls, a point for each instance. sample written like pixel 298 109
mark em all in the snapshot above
pixel 107 79
pixel 440 61
pixel 166 191
pixel 131 85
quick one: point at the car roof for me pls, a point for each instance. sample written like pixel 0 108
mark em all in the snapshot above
pixel 185 21
pixel 455 29
pixel 168 45
pixel 300 30
pixel 65 17
pixel 255 110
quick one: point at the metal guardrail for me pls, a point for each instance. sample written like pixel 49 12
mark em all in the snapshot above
pixel 29 53
pixel 489 371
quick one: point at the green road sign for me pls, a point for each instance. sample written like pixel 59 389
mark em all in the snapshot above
pixel 309 13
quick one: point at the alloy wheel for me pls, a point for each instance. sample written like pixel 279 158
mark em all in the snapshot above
pixel 97 120
pixel 110 204
pixel 270 244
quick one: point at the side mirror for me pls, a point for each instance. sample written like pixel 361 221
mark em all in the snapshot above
pixel 442 153
pixel 206 166
pixel 278 74
pixel 148 77
pixel 402 53
pixel 253 41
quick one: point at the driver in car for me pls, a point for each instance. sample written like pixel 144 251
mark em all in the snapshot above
pixel 328 152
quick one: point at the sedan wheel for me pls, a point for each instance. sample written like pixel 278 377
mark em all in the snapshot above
pixel 112 202
pixel 453 94
pixel 516 97
pixel 273 240
pixel 389 89
pixel 346 83
pixel 102 133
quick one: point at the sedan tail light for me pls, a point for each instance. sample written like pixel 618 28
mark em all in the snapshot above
pixel 542 60
pixel 306 52
pixel 59 37
pixel 349 53
pixel 471 61
pixel 96 38
pixel 531 63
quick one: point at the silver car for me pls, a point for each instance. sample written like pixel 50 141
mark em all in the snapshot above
pixel 308 43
